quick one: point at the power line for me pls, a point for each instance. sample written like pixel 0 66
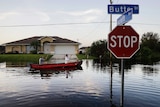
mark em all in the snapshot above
pixel 58 24
pixel 52 24
pixel 146 24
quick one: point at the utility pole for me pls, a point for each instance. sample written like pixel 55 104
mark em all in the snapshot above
pixel 111 18
pixel 111 60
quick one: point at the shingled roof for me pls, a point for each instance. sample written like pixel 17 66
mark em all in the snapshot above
pixel 28 41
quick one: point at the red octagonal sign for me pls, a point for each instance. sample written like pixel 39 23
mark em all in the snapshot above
pixel 123 42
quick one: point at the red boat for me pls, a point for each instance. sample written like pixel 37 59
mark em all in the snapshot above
pixel 59 66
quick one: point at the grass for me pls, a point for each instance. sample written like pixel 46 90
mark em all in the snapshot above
pixel 22 57
pixel 32 57
pixel 82 56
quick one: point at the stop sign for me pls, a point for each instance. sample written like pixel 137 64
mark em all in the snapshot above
pixel 123 42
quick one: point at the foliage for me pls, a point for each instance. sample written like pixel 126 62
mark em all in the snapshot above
pixel 22 57
pixel 35 44
pixel 149 51
pixel 99 49
pixel 84 56
pixel 151 40
pixel 149 47
pixel 33 52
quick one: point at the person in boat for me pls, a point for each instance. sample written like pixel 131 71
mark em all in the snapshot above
pixel 66 58
pixel 41 60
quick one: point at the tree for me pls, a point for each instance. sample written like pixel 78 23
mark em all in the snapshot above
pixel 150 40
pixel 35 44
pixel 99 49
pixel 150 47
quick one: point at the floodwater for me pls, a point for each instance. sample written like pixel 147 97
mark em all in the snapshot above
pixel 89 87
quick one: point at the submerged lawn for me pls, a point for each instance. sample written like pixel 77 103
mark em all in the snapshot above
pixel 22 57
pixel 83 56
pixel 31 57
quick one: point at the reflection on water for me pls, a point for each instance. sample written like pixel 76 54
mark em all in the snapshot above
pixel 150 70
pixel 89 87
pixel 17 64
pixel 3 65
pixel 51 72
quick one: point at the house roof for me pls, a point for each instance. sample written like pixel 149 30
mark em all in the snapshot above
pixel 56 39
pixel 84 47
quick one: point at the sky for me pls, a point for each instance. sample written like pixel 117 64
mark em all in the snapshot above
pixel 84 21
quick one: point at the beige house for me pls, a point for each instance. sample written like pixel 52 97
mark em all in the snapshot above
pixel 48 44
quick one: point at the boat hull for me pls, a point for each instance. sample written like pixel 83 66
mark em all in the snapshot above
pixel 59 66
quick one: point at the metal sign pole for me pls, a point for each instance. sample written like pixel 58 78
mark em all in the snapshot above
pixel 111 59
pixel 122 84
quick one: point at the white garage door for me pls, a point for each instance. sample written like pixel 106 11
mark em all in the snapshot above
pixel 64 50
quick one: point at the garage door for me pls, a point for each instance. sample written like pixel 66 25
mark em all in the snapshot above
pixel 64 50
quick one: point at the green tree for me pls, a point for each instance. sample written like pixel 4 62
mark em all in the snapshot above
pixel 35 44
pixel 150 47
pixel 150 40
pixel 99 49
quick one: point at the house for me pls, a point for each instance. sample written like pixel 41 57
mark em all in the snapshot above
pixel 48 45
pixel 83 50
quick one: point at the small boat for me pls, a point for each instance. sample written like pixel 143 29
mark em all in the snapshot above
pixel 57 66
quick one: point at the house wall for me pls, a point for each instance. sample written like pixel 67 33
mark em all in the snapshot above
pixel 8 49
pixel 13 48
pixel 45 40
pixel 24 49
pixel 52 49
pixel 76 49
pixel 48 39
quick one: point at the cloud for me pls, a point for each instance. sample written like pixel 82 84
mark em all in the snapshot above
pixel 7 14
pixel 83 16
pixel 86 12
pixel 43 16
pixel 82 13
pixel 23 17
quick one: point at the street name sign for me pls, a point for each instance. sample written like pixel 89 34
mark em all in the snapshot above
pixel 126 16
pixel 122 8
pixel 123 42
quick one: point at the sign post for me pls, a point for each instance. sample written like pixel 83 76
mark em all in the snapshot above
pixel 111 59
pixel 123 43
pixel 122 84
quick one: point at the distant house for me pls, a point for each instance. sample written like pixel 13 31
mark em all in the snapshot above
pixel 83 50
pixel 48 44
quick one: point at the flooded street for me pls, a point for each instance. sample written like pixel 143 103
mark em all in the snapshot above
pixel 89 87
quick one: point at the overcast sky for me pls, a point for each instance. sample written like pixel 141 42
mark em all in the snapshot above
pixel 84 21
